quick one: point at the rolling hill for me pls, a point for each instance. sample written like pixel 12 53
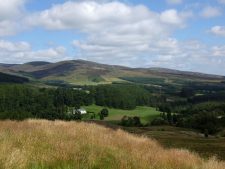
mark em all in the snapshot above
pixel 91 73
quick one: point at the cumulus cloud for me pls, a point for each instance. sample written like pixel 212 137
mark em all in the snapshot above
pixel 221 1
pixel 11 9
pixel 20 52
pixel 218 30
pixel 219 51
pixel 118 33
pixel 113 29
pixel 8 28
pixel 171 17
pixel 10 12
pixel 174 1
pixel 190 55
pixel 90 16
pixel 210 12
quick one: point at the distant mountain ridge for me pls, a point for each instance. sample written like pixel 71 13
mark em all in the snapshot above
pixel 87 72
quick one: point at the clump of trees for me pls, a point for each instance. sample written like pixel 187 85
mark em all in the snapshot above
pixel 206 116
pixel 202 121
pixel 131 121
pixel 103 113
pixel 159 121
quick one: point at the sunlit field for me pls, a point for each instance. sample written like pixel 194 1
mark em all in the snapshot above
pixel 145 113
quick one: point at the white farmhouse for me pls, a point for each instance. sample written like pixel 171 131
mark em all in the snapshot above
pixel 82 111
pixel 75 111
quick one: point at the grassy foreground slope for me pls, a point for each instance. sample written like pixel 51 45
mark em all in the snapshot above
pixel 69 145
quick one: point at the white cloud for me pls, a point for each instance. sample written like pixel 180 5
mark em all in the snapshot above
pixel 8 28
pixel 113 29
pixel 171 17
pixel 20 52
pixel 221 1
pixel 14 47
pixel 118 33
pixel 10 12
pixel 210 12
pixel 90 16
pixel 11 9
pixel 218 30
pixel 174 1
pixel 219 51
pixel 169 53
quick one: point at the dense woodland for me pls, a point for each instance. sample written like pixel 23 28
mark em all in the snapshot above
pixel 21 101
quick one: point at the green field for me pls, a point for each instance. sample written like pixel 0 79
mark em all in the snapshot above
pixel 115 115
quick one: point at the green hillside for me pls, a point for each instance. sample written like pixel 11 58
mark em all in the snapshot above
pixel 80 72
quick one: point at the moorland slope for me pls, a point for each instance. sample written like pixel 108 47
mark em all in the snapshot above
pixel 66 145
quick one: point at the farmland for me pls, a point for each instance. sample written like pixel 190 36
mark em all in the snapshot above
pixel 145 113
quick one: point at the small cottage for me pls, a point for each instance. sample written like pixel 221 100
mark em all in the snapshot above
pixel 75 111
pixel 82 111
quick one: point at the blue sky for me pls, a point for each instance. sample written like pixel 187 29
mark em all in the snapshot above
pixel 178 34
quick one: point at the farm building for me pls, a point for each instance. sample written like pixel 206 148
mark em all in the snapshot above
pixel 82 111
pixel 75 111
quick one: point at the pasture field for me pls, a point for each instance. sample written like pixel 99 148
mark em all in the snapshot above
pixel 146 114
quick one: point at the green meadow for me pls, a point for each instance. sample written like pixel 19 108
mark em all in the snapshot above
pixel 146 114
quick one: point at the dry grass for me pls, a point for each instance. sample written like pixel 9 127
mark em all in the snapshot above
pixel 67 145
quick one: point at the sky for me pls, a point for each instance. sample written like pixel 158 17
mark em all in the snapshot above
pixel 178 34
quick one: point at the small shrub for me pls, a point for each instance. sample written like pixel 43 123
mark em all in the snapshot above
pixel 101 116
pixel 105 112
pixel 159 121
pixel 131 121
pixel 206 133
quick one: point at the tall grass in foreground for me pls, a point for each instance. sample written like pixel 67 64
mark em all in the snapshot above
pixel 67 145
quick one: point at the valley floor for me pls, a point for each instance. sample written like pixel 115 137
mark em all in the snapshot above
pixel 41 144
